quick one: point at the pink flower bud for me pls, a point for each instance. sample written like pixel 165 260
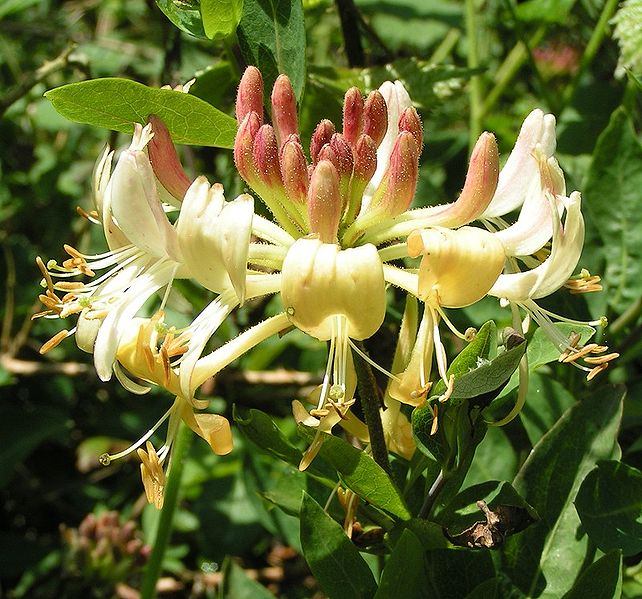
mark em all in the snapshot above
pixel 249 97
pixel 243 145
pixel 365 165
pixel 327 153
pixel 410 121
pixel 321 136
pixel 167 167
pixel 352 115
pixel 375 117
pixel 324 202
pixel 265 155
pixel 294 170
pixel 481 180
pixel 284 115
pixel 343 152
pixel 397 188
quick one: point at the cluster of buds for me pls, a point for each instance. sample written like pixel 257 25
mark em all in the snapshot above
pixel 343 230
pixel 102 551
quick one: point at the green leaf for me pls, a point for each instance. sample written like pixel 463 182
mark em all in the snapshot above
pixel 404 569
pixel 454 573
pixel 541 350
pixel 22 433
pixel 601 580
pixel 185 15
pixel 362 475
pixel 544 11
pixel 609 503
pixel 333 559
pixel 615 179
pixel 221 17
pixel 272 37
pixel 116 104
pixel 259 428
pixel 548 555
pixel 237 584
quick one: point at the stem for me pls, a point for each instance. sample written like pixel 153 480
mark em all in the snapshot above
pixel 475 80
pixel 630 315
pixel 20 90
pixel 371 404
pixel 350 28
pixel 163 532
pixel 434 491
pixel 591 49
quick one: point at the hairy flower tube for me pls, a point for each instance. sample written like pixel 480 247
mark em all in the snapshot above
pixel 342 231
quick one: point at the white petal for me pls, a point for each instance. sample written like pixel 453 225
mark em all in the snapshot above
pixel 557 268
pixel 521 168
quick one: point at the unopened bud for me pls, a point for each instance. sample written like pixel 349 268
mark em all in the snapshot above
pixel 324 202
pixel 481 180
pixel 397 188
pixel 167 167
pixel 410 121
pixel 352 115
pixel 294 170
pixel 375 117
pixel 265 155
pixel 249 97
pixel 243 145
pixel 284 115
pixel 321 136
pixel 345 163
pixel 365 165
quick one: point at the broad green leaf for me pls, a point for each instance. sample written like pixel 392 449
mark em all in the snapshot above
pixel 272 37
pixel 362 475
pixel 609 503
pixel 333 559
pixel 546 557
pixel 22 433
pixel 627 33
pixel 221 17
pixel 404 569
pixel 259 428
pixel 185 15
pixel 544 11
pixel 454 573
pixel 601 580
pixel 541 350
pixel 239 585
pixel 429 534
pixel 116 104
pixel 615 180
pixel 547 400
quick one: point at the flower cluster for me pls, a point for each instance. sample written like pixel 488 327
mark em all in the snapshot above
pixel 343 230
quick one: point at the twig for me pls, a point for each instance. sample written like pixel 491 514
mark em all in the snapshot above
pixel 371 404
pixel 31 368
pixel 351 38
pixel 20 90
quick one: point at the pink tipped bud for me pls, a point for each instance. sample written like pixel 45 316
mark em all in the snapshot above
pixel 375 117
pixel 294 170
pixel 410 121
pixel 249 97
pixel 365 159
pixel 243 145
pixel 265 154
pixel 343 152
pixel 327 153
pixel 284 116
pixel 324 202
pixel 481 180
pixel 321 136
pixel 397 188
pixel 365 165
pixel 167 167
pixel 352 115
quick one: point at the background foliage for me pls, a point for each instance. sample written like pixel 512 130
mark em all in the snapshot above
pixel 468 66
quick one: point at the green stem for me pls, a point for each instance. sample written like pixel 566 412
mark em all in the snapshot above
pixel 163 532
pixel 432 495
pixel 371 404
pixel 509 68
pixel 475 80
pixel 591 48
